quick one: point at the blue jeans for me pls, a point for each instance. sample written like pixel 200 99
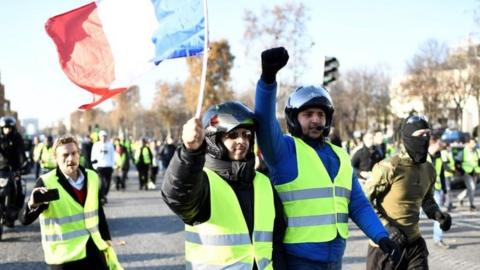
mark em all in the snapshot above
pixel 296 263
pixel 437 232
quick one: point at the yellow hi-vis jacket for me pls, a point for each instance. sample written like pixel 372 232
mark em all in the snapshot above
pixel 224 242
pixel 47 158
pixel 437 164
pixel 66 226
pixel 469 160
pixel 316 207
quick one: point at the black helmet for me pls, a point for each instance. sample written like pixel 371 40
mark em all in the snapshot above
pixel 223 118
pixel 305 97
pixel 8 121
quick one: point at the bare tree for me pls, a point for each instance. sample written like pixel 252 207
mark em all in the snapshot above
pixel 217 88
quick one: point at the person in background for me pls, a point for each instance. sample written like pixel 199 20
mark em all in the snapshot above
pixel 155 163
pixel 467 162
pixel 103 160
pixel 166 151
pixel 121 165
pixel 47 157
pixel 364 158
pixel 143 161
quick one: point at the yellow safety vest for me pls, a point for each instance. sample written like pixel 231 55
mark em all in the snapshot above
pixel 48 158
pixel 437 164
pixel 224 242
pixel 144 151
pixel 447 159
pixel 66 226
pixel 316 206
pixel 37 150
pixel 469 160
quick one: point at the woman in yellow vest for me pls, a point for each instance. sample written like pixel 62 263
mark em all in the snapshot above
pixel 233 217
pixel 74 229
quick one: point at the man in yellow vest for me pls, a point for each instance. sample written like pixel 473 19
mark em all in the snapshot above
pixel 468 162
pixel 398 188
pixel 233 217
pixel 440 186
pixel 74 229
pixel 314 178
pixel 47 156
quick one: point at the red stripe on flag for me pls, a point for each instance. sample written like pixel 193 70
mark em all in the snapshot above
pixel 83 50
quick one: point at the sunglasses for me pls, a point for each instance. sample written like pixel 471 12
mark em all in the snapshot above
pixel 245 134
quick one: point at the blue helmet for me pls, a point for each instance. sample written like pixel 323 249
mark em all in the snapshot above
pixel 305 97
pixel 223 118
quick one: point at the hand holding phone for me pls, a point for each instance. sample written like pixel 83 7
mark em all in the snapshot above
pixel 42 195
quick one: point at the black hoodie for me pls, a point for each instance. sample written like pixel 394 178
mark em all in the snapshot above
pixel 186 191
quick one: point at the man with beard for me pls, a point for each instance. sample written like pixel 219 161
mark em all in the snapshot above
pixel 313 177
pixel 367 156
pixel 399 186
pixel 234 219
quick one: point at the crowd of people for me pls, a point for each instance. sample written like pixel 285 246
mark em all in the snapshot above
pixel 287 208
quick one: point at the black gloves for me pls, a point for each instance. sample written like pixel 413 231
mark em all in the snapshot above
pixel 444 219
pixel 394 253
pixel 272 61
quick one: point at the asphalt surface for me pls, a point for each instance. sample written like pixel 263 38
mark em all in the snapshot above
pixel 147 235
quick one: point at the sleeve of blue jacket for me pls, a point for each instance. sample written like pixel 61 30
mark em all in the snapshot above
pixel 361 212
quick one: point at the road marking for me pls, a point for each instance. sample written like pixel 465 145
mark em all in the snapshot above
pixel 467 224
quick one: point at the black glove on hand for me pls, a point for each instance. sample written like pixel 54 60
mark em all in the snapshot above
pixel 394 253
pixel 444 219
pixel 272 61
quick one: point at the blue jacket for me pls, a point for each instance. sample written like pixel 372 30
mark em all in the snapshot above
pixel 278 151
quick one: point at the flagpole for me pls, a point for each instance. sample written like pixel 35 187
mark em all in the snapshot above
pixel 204 64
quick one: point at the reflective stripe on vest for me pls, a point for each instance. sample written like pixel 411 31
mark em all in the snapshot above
pixel 224 242
pixel 66 226
pixel 316 207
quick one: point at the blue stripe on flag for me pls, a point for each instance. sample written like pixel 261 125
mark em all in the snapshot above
pixel 181 29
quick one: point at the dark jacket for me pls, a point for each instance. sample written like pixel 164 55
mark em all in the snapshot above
pixel 166 153
pixel 12 151
pixel 94 256
pixel 365 158
pixel 186 191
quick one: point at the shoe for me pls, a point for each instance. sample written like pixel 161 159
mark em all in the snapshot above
pixel 461 202
pixel 472 208
pixel 442 244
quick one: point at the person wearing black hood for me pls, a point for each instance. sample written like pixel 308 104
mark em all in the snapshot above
pixel 399 186
pixel 233 216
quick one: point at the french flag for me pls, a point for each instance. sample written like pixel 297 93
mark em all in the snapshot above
pixel 106 45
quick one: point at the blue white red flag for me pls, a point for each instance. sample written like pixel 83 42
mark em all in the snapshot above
pixel 106 45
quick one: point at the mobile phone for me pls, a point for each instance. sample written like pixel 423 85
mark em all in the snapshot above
pixel 50 195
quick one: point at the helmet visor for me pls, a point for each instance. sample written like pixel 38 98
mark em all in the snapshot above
pixel 303 95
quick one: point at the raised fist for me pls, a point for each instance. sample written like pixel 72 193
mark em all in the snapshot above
pixel 272 61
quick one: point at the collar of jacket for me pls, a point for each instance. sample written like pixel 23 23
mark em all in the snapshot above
pixel 234 171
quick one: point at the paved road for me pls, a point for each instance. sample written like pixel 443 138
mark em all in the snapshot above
pixel 146 235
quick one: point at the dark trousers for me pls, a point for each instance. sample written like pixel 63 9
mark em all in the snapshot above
pixel 37 168
pixel 105 174
pixel 120 179
pixel 143 176
pixel 153 174
pixel 415 257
